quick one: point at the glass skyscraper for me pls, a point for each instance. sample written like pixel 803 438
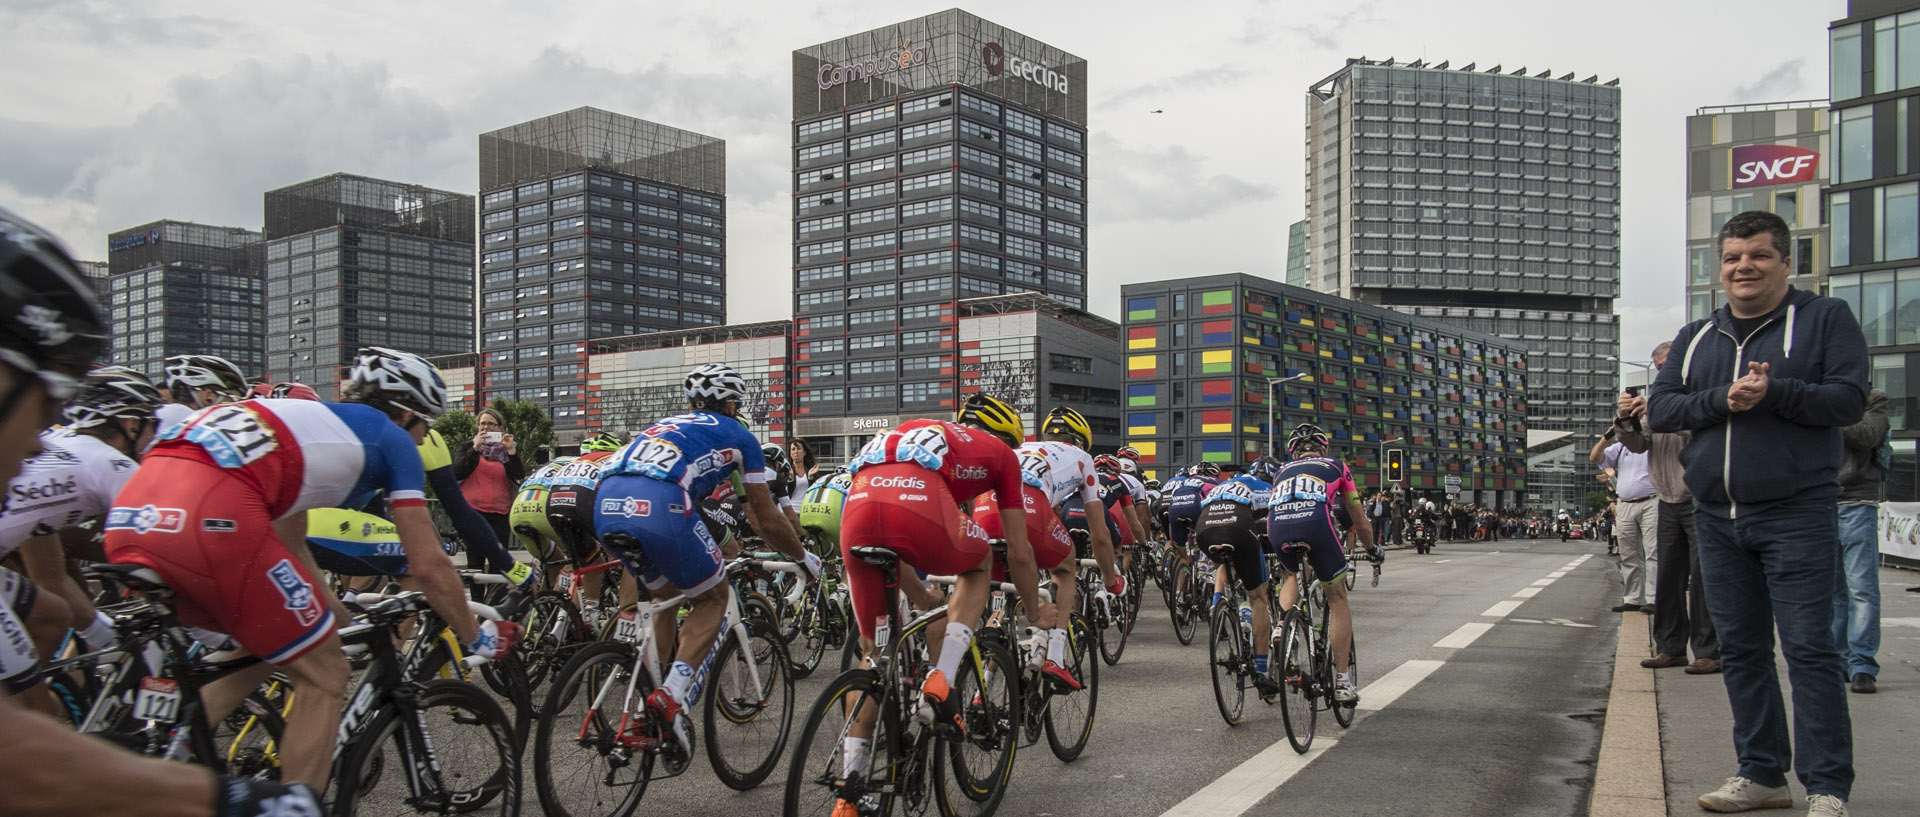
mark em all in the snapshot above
pixel 1488 199
pixel 180 288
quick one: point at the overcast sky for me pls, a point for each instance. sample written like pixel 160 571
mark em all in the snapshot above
pixel 122 113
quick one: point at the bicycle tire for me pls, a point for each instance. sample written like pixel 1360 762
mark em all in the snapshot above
pixel 815 775
pixel 554 631
pixel 993 724
pixel 566 717
pixel 812 635
pixel 1343 712
pixel 1353 576
pixel 1297 668
pixel 1075 719
pixel 504 677
pixel 239 740
pixel 1182 607
pixel 732 703
pixel 367 765
pixel 1113 630
pixel 1226 663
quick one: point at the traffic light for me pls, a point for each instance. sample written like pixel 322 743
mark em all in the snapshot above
pixel 1396 465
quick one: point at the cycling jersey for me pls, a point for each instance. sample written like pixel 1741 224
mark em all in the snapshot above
pixel 820 508
pixel 572 491
pixel 1184 496
pixel 1301 507
pixel 474 530
pixel 1230 515
pixel 74 478
pixel 1059 470
pixel 968 461
pixel 528 514
pixel 787 493
pixel 168 415
pixel 352 543
pixel 648 491
pixel 1135 488
pixel 19 659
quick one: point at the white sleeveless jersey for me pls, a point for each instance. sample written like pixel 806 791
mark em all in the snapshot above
pixel 1059 470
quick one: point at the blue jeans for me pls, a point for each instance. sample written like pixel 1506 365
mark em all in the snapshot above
pixel 1856 604
pixel 1778 566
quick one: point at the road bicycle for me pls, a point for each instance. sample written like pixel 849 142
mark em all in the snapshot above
pixel 1305 662
pixel 1231 648
pixel 913 763
pixel 597 734
pixel 1191 589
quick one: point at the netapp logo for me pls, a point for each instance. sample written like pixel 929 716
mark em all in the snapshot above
pixel 998 63
pixel 899 59
pixel 912 483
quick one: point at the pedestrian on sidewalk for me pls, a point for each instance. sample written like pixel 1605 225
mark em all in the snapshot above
pixel 1636 516
pixel 1856 608
pixel 1678 551
pixel 1765 384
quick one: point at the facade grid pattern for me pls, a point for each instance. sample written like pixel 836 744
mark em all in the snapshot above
pixel 1717 190
pixel 179 288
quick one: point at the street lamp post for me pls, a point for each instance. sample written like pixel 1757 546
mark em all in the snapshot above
pixel 1273 417
pixel 1382 461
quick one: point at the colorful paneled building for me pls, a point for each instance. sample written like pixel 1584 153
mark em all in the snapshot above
pixel 1203 354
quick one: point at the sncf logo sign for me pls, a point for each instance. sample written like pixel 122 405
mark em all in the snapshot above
pixel 1759 165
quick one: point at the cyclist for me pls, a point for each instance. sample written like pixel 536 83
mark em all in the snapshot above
pixel 1234 514
pixel 478 536
pixel 1124 497
pixel 528 514
pixel 1301 509
pixel 789 488
pixel 195 382
pixel 218 510
pixel 647 513
pixel 820 510
pixel 74 479
pixel 50 333
pixel 1184 497
pixel 572 492
pixel 908 488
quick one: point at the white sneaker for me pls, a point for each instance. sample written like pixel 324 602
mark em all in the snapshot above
pixel 1826 805
pixel 1343 692
pixel 1741 794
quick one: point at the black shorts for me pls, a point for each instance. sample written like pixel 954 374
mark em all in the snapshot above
pixel 1327 554
pixel 1238 544
pixel 570 512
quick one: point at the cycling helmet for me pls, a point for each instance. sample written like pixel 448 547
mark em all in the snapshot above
pixel 1264 469
pixel 1105 464
pixel 112 392
pixel 994 415
pixel 260 391
pixel 601 441
pixel 1209 470
pixel 49 325
pixel 1307 434
pixel 293 391
pixel 1128 452
pixel 187 373
pixel 402 380
pixel 778 460
pixel 1128 467
pixel 714 384
pixel 1063 420
pixel 1152 484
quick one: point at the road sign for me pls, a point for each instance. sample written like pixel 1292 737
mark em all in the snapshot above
pixel 1452 483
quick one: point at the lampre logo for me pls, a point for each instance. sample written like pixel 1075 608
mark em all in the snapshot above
pixel 1758 165
pixel 299 595
pixel 628 507
pixel 910 483
pixel 147 519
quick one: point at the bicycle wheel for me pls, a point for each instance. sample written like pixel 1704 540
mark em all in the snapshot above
pixel 1353 575
pixel 1228 664
pixel 554 630
pixel 814 626
pixel 1185 622
pixel 1112 629
pixel 469 739
pixel 1297 669
pixel 747 722
pixel 981 764
pixel 1343 712
pixel 249 739
pixel 594 749
pixel 1070 712
pixel 817 775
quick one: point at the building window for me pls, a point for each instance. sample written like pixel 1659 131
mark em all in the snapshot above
pixel 1070 363
pixel 926 103
pixel 1902 222
pixel 1839 229
pixel 870 342
pixel 871 367
pixel 1855 138
pixel 883 392
pixel 922 392
pixel 817 396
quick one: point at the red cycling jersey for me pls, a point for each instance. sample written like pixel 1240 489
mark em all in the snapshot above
pixel 970 461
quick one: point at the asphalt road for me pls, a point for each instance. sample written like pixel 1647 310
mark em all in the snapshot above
pixel 1500 656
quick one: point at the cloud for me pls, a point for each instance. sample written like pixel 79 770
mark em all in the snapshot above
pixel 1644 327
pixel 1179 85
pixel 1783 82
pixel 1165 185
pixel 106 23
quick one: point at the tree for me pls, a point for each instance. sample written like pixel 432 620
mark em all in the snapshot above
pixel 530 425
pixel 456 425
pixel 1597 502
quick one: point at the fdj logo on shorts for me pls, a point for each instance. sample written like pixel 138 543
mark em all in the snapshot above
pixel 147 519
pixel 299 595
pixel 628 507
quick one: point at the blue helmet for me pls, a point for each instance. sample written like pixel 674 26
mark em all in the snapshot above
pixel 1264 469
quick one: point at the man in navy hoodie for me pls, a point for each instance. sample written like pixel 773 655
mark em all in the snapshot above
pixel 1765 385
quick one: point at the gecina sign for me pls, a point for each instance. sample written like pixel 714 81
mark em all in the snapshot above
pixel 1760 165
pixel 998 62
pixel 899 59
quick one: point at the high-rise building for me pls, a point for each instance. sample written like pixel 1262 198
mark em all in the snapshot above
pixel 592 225
pixel 353 262
pixel 182 288
pixel 1486 199
pixel 1221 367
pixel 935 159
pixel 1769 156
pixel 1873 205
pixel 1297 254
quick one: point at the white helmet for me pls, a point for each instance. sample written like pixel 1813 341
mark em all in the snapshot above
pixel 1129 467
pixel 715 383
pixel 402 379
pixel 1430 505
pixel 185 373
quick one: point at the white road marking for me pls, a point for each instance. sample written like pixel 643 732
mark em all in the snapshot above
pixel 1442 561
pixel 1250 782
pixel 1502 609
pixel 1391 686
pixel 1465 635
pixel 1546 581
pixel 1527 592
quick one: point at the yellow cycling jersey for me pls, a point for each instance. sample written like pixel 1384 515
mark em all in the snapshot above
pixel 529 510
pixel 341 525
pixel 434 454
pixel 820 509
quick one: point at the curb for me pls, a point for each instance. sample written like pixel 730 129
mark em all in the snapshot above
pixel 1629 779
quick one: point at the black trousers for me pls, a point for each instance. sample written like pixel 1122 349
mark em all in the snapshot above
pixel 1676 623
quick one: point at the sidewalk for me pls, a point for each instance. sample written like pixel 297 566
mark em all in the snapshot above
pixel 1696 740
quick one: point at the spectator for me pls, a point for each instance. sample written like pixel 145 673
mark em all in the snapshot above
pixel 1856 609
pixel 803 460
pixel 1377 510
pixel 489 469
pixel 1635 518
pixel 1678 553
pixel 1766 384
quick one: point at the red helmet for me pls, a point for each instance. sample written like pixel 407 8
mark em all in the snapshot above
pixel 260 391
pixel 1106 464
pixel 295 391
pixel 1128 452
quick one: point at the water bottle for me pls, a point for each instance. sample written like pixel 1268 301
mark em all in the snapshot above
pixel 1036 647
pixel 1246 620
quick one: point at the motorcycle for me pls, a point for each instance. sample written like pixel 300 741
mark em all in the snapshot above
pixel 1422 536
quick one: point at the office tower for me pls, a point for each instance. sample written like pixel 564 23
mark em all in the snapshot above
pixel 182 288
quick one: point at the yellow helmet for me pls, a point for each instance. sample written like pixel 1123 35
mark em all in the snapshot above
pixel 1063 420
pixel 994 415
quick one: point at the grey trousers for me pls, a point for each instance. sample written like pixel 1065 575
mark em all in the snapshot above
pixel 1635 523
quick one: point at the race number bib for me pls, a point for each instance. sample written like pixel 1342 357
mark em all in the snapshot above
pixel 652 457
pixel 1035 471
pixel 1235 491
pixel 230 434
pixel 627 628
pixel 582 474
pixel 159 700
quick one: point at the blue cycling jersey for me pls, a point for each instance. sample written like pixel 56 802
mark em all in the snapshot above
pixel 1244 489
pixel 697 451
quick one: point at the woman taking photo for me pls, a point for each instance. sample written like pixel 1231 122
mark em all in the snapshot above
pixel 489 469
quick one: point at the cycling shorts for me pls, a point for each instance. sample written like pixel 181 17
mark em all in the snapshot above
pixel 662 538
pixel 1076 518
pixel 1181 527
pixel 19 659
pixel 1328 556
pixel 351 543
pixel 209 535
pixel 909 510
pixel 1051 543
pixel 571 515
pixel 1230 525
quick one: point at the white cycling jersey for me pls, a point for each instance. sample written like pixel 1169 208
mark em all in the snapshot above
pixel 1135 488
pixel 74 478
pixel 1059 470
